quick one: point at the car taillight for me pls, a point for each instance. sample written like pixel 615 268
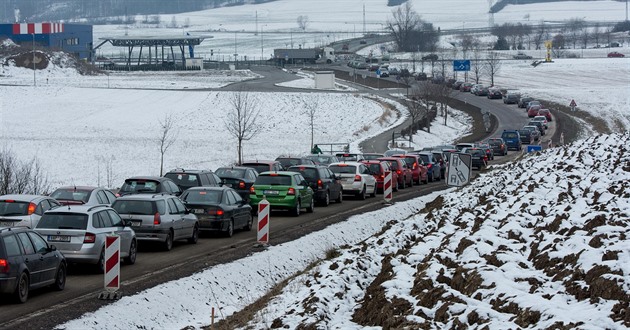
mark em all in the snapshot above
pixel 241 185
pixel 252 190
pixel 502 147
pixel 320 184
pixel 398 172
pixel 4 266
pixel 485 157
pixel 357 178
pixel 157 219
pixel 89 238
pixel 429 165
pixel 215 212
pixel 31 208
pixel 291 191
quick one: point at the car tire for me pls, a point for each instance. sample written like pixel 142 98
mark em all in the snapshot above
pixel 340 197
pixel 395 187
pixel 362 194
pixel 100 265
pixel 21 289
pixel 195 235
pixel 426 181
pixel 296 210
pixel 430 177
pixel 133 252
pixel 60 278
pixel 373 194
pixel 167 245
pixel 326 200
pixel 311 208
pixel 250 223
pixel 230 229
pixel 404 186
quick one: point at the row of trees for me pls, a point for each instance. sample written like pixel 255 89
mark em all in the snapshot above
pixel 410 32
pixel 576 33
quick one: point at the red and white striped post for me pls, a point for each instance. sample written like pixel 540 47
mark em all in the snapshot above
pixel 112 263
pixel 387 187
pixel 263 222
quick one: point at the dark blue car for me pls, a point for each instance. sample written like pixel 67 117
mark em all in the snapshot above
pixel 512 139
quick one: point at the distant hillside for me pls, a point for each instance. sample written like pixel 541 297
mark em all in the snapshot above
pixel 500 4
pixel 52 10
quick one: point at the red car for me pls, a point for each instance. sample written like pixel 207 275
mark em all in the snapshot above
pixel 418 169
pixel 405 178
pixel 546 113
pixel 533 111
pixel 616 54
pixel 378 168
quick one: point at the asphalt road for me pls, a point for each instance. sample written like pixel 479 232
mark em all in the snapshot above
pixel 46 308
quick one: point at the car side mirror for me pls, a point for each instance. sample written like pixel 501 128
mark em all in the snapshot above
pixel 187 211
pixel 51 248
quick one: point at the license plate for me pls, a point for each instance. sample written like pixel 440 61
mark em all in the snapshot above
pixel 136 223
pixel 199 211
pixel 58 238
pixel 7 223
pixel 270 192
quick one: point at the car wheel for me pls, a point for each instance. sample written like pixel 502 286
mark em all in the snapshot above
pixel 230 229
pixel 168 242
pixel 430 177
pixel 311 208
pixel 60 278
pixel 21 289
pixel 326 200
pixel 404 185
pixel 100 265
pixel 340 197
pixel 395 187
pixel 250 223
pixel 296 209
pixel 133 249
pixel 426 181
pixel 373 194
pixel 195 235
pixel 362 194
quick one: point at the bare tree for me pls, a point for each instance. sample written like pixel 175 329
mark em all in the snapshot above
pixel 166 138
pixel 477 66
pixel 416 111
pixel 403 22
pixel 242 120
pixel 302 22
pixel 17 177
pixel 608 34
pixel 575 25
pixel 585 36
pixel 493 65
pixel 310 109
pixel 173 22
pixel 541 34
pixel 596 33
pixel 425 92
pixel 444 97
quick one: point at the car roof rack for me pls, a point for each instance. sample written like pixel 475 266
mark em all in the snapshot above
pixel 11 228
pixel 96 206
pixel 160 194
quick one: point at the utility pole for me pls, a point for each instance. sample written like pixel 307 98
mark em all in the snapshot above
pixel 364 19
pixel 34 79
pixel 256 32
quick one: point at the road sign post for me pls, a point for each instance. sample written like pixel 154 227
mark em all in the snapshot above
pixel 263 222
pixel 112 269
pixel 461 65
pixel 387 187
pixel 459 170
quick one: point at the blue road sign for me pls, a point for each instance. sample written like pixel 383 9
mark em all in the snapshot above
pixel 532 148
pixel 378 72
pixel 461 65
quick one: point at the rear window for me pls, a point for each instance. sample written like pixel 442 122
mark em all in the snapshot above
pixel 393 164
pixel 410 161
pixel 274 180
pixel 494 142
pixel 184 180
pixel 8 208
pixel 123 206
pixel 425 158
pixel 11 246
pixel 375 168
pixel 259 167
pixel 58 220
pixel 307 172
pixel 343 169
pixel 230 172
pixel 510 135
pixel 71 194
pixel 288 162
pixel 202 196
pixel 139 186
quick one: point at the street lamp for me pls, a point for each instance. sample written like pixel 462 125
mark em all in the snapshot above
pixel 34 79
pixel 262 44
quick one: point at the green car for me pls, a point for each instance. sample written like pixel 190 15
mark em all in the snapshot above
pixel 283 190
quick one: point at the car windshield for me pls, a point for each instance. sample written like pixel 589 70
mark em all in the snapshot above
pixel 71 194
pixel 307 172
pixel 123 206
pixel 202 196
pixel 185 180
pixel 259 167
pixel 274 180
pixel 9 207
pixel 510 135
pixel 139 186
pixel 230 172
pixel 59 220
pixel 340 169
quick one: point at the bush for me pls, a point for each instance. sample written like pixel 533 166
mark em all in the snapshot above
pixel 17 177
pixel 621 26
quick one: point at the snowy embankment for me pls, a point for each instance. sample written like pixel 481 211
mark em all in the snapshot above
pixel 540 243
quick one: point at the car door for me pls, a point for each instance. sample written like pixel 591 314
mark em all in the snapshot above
pixel 48 257
pixel 188 220
pixel 32 259
pixel 233 201
pixel 176 219
pixel 370 181
pixel 306 194
pixel 124 232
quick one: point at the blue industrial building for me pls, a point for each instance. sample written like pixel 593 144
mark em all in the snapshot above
pixel 71 38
